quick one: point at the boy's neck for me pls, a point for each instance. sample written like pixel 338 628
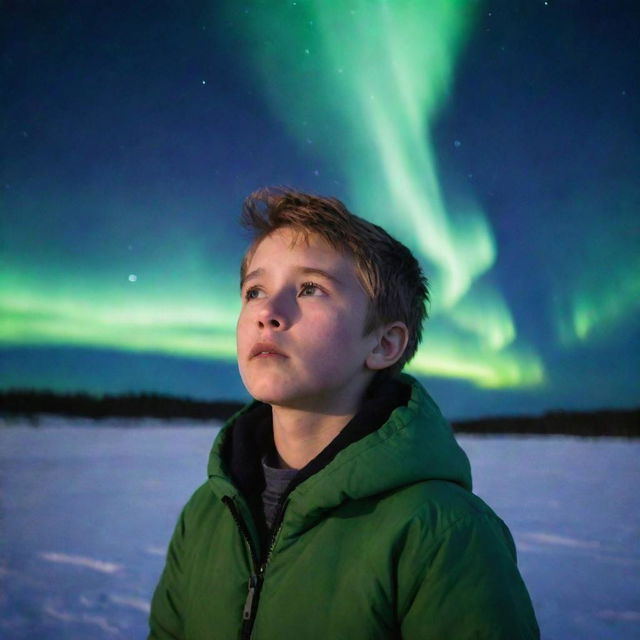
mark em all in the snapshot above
pixel 299 436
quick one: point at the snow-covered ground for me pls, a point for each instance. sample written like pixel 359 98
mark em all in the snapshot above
pixel 85 515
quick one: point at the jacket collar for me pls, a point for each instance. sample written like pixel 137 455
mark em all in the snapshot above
pixel 250 436
pixel 398 438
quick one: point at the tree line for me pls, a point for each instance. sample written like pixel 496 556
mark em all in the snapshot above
pixel 619 423
pixel 20 402
pixel 30 403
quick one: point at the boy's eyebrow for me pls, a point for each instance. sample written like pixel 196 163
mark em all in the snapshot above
pixel 256 273
pixel 319 272
pixel 253 274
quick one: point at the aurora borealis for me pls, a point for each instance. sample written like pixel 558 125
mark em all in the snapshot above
pixel 498 140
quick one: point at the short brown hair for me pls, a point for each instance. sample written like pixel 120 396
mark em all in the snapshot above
pixel 388 272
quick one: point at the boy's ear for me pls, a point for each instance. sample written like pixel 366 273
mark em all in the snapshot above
pixel 392 341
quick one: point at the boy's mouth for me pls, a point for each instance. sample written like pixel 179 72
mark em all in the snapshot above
pixel 265 349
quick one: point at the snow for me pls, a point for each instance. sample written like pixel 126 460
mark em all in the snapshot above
pixel 86 512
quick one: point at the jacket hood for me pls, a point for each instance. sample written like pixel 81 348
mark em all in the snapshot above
pixel 415 444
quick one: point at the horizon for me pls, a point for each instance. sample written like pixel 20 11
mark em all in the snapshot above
pixel 100 396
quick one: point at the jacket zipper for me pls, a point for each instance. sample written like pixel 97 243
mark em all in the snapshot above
pixel 257 577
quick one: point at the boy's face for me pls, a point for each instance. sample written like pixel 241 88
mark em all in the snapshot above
pixel 300 331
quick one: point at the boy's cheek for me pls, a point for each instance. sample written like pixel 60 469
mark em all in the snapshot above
pixel 243 333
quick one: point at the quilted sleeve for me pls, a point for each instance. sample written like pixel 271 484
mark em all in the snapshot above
pixel 165 619
pixel 463 584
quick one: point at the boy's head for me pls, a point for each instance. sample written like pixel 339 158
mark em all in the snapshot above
pixel 388 272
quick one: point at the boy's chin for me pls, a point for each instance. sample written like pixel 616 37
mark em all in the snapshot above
pixel 286 397
pixel 269 393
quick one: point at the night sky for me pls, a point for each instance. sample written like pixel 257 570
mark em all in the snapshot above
pixel 499 140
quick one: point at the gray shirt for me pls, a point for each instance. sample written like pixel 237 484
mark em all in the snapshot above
pixel 276 482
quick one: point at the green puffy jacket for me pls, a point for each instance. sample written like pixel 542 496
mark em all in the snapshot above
pixel 385 540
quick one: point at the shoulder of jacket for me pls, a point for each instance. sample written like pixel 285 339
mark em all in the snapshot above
pixel 202 500
pixel 437 506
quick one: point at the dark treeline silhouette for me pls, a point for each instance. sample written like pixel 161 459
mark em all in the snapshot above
pixel 621 423
pixel 30 403
pixel 20 402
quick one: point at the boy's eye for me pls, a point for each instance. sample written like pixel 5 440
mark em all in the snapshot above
pixel 310 289
pixel 252 293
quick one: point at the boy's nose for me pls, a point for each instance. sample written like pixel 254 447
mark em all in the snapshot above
pixel 271 317
pixel 272 322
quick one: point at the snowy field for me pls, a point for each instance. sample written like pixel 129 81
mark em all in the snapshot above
pixel 86 513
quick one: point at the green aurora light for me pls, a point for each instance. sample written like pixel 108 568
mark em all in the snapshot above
pixel 365 82
pixel 132 318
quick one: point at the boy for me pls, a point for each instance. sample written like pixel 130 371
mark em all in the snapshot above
pixel 338 504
